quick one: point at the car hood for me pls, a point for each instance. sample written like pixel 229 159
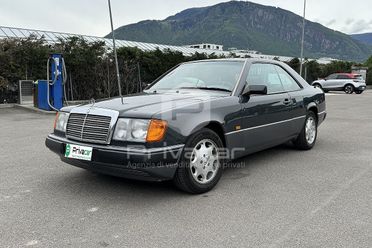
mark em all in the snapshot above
pixel 146 105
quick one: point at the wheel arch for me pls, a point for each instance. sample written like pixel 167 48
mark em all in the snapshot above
pixel 215 126
pixel 314 108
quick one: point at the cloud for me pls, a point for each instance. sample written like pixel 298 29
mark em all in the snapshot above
pixel 357 26
pixel 349 21
pixel 331 22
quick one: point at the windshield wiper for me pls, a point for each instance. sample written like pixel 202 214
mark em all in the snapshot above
pixel 207 88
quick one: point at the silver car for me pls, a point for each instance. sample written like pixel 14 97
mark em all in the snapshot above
pixel 347 82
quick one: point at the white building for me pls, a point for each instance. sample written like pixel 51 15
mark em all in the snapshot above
pixel 207 46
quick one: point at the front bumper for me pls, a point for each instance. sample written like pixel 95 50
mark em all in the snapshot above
pixel 155 164
pixel 361 88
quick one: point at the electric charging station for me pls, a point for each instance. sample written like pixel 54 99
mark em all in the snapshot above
pixel 51 91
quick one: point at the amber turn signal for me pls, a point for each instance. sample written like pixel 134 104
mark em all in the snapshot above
pixel 55 120
pixel 156 130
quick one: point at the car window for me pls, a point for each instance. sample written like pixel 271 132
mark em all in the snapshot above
pixel 210 74
pixel 342 77
pixel 265 74
pixel 288 82
pixel 358 76
pixel 332 76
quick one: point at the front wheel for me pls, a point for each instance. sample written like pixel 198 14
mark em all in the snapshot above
pixel 349 89
pixel 359 92
pixel 307 138
pixel 201 164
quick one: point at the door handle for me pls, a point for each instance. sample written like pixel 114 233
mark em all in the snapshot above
pixel 287 101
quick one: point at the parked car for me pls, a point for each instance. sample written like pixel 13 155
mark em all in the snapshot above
pixel 347 82
pixel 191 122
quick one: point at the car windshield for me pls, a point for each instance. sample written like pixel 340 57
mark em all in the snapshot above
pixel 216 75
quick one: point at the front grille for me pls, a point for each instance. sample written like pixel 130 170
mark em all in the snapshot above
pixel 89 128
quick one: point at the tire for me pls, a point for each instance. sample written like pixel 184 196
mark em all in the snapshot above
pixel 358 92
pixel 193 177
pixel 349 89
pixel 317 86
pixel 306 140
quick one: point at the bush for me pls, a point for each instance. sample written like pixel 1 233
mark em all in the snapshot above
pixel 91 68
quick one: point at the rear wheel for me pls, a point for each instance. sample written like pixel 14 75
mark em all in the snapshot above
pixel 307 138
pixel 349 89
pixel 201 163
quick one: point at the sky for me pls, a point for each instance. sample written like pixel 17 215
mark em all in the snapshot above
pixel 90 17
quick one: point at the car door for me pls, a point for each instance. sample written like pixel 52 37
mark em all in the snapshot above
pixel 264 119
pixel 341 81
pixel 330 82
pixel 294 89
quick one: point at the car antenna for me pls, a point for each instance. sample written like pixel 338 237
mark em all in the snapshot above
pixel 115 53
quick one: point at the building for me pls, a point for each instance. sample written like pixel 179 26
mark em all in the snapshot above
pixel 207 46
pixel 360 70
pixel 235 50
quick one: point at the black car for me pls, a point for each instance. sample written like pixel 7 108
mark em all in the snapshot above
pixel 191 122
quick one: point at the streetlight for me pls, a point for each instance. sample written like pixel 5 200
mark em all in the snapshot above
pixel 303 37
pixel 115 53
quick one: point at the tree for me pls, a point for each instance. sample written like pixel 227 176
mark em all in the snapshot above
pixel 295 64
pixel 3 83
pixel 368 64
pixel 336 67
pixel 313 71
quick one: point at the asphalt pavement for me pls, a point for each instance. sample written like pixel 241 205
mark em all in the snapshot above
pixel 278 198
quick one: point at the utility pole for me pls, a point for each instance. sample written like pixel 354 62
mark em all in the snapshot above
pixel 115 53
pixel 303 38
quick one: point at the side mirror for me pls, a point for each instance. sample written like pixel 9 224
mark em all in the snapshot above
pixel 255 90
pixel 145 85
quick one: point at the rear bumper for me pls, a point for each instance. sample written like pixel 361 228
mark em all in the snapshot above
pixel 156 164
pixel 321 117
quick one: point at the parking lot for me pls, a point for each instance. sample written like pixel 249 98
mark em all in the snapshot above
pixel 279 198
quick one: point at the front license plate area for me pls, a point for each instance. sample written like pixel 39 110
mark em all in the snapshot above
pixel 78 152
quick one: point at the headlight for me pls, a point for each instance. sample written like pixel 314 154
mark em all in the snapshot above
pixel 137 130
pixel 61 121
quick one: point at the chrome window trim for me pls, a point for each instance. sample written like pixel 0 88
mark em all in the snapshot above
pixel 266 125
pixel 240 77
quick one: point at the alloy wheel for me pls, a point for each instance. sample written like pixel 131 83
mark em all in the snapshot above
pixel 348 89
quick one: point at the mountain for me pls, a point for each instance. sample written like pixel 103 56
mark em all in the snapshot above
pixel 365 38
pixel 247 25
